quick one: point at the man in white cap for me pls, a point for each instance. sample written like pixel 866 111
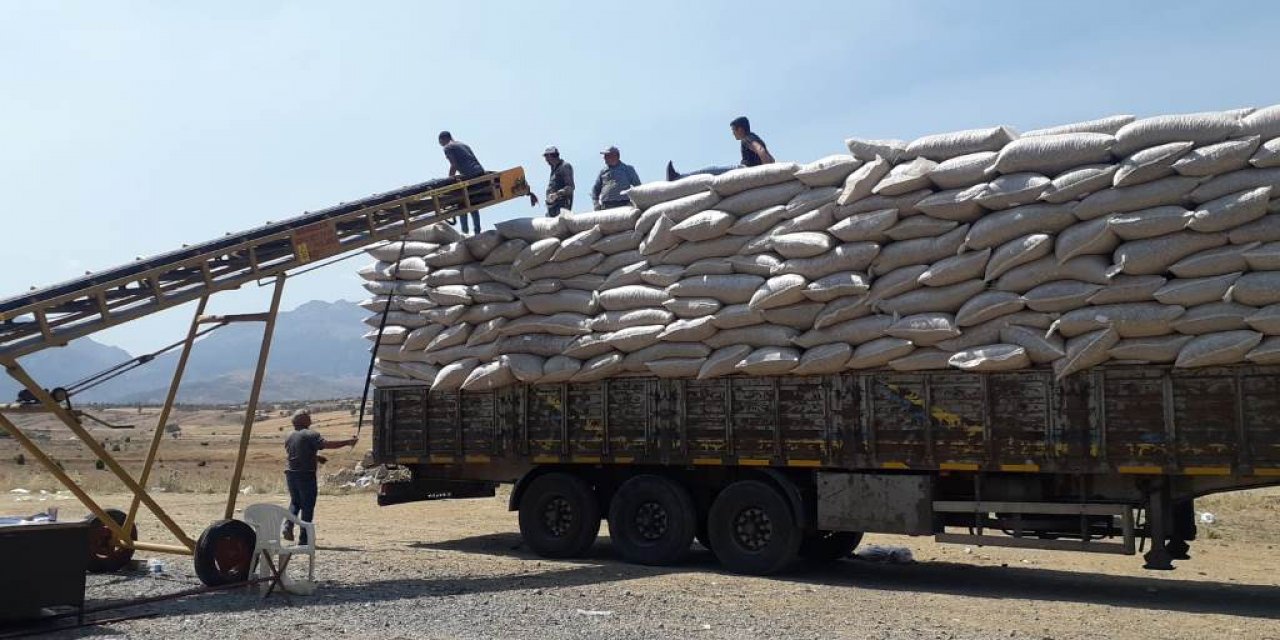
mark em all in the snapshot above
pixel 560 187
pixel 300 474
pixel 613 181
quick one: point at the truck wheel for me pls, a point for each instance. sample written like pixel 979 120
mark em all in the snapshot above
pixel 559 516
pixel 827 546
pixel 106 554
pixel 224 553
pixel 752 529
pixel 652 520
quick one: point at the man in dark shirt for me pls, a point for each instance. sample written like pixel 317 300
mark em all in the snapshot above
pixel 300 474
pixel 463 165
pixel 560 187
pixel 754 151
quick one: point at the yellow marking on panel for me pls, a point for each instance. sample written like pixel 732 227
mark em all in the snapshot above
pixel 545 459
pixel 1022 468
pixel 1141 470
pixel 894 465
pixel 441 458
pixel 1206 471
pixel 624 459
pixel 753 462
pixel 477 458
pixel 804 463
pixel 1268 473
pixel 587 459
pixel 958 466
pixel 708 461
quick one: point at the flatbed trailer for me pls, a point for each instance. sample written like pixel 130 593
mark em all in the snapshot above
pixel 766 470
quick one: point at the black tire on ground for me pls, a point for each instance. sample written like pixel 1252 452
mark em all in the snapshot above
pixel 224 553
pixel 106 554
pixel 753 530
pixel 828 546
pixel 652 520
pixel 559 516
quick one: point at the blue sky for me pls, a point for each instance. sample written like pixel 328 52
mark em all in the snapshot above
pixel 130 128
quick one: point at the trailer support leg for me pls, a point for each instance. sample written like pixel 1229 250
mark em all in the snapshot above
pixel 1158 521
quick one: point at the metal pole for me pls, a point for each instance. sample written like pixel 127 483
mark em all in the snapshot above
pixel 251 411
pixel 168 407
pixel 18 373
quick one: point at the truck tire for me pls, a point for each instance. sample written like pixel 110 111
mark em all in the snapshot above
pixel 753 530
pixel 652 521
pixel 224 553
pixel 106 555
pixel 829 546
pixel 559 516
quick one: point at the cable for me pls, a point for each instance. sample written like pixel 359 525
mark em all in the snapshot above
pixel 382 325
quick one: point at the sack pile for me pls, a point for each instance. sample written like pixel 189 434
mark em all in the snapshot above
pixel 1151 240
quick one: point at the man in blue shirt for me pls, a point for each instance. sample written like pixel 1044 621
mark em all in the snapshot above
pixel 613 181
pixel 302 447
pixel 463 165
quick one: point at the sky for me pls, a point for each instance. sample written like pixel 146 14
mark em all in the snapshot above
pixel 131 128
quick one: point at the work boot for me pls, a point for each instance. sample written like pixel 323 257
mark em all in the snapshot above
pixel 672 174
pixel 287 535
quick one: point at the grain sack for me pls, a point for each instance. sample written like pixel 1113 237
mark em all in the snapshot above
pixel 837 285
pixel 812 199
pixel 385 381
pixel 631 297
pixel 377 304
pixel 663 275
pixel 1264 122
pixel 919 251
pixel 1149 223
pixel 623 276
pixel 906 204
pixel 649 194
pixel 615 320
pixel 676 367
pixel 1262 257
pixel 1154 256
pixel 944 146
pixel 442 315
pixel 530 229
pixel 759 198
pixel 420 371
pixel 956 269
pixel 1123 288
pixel 865 227
pixel 827 172
pixel 988 305
pixel 1213 317
pixel 610 221
pixel 851 256
pixel 737 315
pixel 559 324
pixel 1257 289
pixel 1150 164
pixel 863 180
pixel 1199 128
pixel 762 335
pixel 989 332
pixel 1268 155
pixel 1039 347
pixel 997 228
pixel 481 244
pixel 758 222
pixel 924 329
pixel 537 253
pixel 958 205
pixel 842 309
pixel 1060 295
pixel 390 335
pixel 445 276
pixel 817 220
pixel 1159 349
pixel 905 178
pixel 486 332
pixel 571 300
pixel 802 245
pixel 1227 347
pixel 448 255
pixel 878 353
pixel 778 291
pixel 439 233
pixel 1023 278
pixel 660 237
pixel 559 369
pixel 1165 191
pixel 688 330
pixel 708 267
pixel 589 346
pixel 728 289
pixel 963 171
pixel 413 304
pixel 577 245
pixel 758 264
pixel 1054 153
pixel 1092 237
pixel 1236 181
pixel 1264 229
pixel 523 367
pixel 489 376
pixel 486 312
pixel 1080 182
pixel 928 359
pixel 535 344
pixel 419 338
pixel 920 227
pixel 723 361
pixel 452 375
pixel 677 210
pixel 450 337
pixel 619 242
pixel 1267 352
pixel 853 332
pixel 896 282
pixel 869 150
pixel 703 226
pixel 1108 125
pixel 745 178
pixel 634 338
pixel 947 299
pixel 599 368
pixel 450 294
pixel 393 251
pixel 1129 320
pixel 1230 211
pixel 380 287
pixel 1222 157
pixel 995 357
pixel 689 252
pixel 379 271
pixel 1212 262
pixel 483 353
pixel 1012 190
pixel 823 360
pixel 692 307
pixel 769 361
pixel 1016 252
pixel 1085 351
pixel 490 292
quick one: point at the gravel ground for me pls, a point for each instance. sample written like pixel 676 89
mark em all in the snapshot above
pixel 458 570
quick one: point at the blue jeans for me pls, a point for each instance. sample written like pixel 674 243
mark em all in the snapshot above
pixel 302 498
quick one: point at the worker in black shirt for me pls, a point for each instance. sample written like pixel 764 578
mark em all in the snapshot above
pixel 560 187
pixel 754 151
pixel 463 165
pixel 302 447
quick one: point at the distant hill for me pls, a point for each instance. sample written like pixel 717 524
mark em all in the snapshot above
pixel 317 353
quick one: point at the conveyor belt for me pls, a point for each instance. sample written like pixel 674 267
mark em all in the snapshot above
pixel 56 314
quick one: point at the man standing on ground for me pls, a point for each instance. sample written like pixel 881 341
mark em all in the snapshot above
pixel 560 187
pixel 754 151
pixel 614 179
pixel 462 166
pixel 300 474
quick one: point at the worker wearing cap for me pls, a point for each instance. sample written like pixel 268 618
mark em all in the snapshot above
pixel 560 187
pixel 463 165
pixel 613 181
pixel 302 448
pixel 754 151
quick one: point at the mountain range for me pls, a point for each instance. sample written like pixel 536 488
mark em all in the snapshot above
pixel 318 352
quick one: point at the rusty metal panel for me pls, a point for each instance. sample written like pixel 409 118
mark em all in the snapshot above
pixel 898 417
pixel 956 405
pixel 479 415
pixel 544 418
pixel 803 417
pixel 442 422
pixel 756 416
pixel 875 503
pixel 584 410
pixel 703 415
pixel 1260 409
pixel 1020 411
pixel 1134 413
pixel 628 415
pixel 1204 417
pixel 402 422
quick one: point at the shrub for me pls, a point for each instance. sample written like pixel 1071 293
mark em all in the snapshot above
pixel 99 465
pixel 20 459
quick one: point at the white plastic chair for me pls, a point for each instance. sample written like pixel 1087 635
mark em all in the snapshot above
pixel 267 520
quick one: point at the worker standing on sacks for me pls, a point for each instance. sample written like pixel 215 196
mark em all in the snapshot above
pixel 302 448
pixel 463 165
pixel 754 151
pixel 613 181
pixel 560 186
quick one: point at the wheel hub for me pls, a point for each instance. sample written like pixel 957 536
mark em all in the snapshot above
pixel 558 517
pixel 752 529
pixel 651 521
pixel 231 557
